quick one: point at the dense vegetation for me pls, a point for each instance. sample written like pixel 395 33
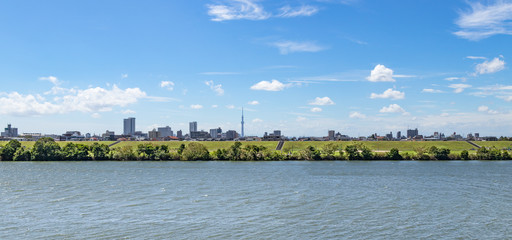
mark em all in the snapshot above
pixel 46 149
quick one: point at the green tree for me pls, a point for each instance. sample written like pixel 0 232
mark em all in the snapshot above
pixel 220 154
pixel 310 153
pixel 464 155
pixel 235 151
pixel 9 150
pixel 180 150
pixel 195 151
pixel 75 152
pixel 352 152
pixel 146 151
pixel 22 154
pixel 366 152
pixel 124 153
pixel 99 151
pixel 394 154
pixel 46 149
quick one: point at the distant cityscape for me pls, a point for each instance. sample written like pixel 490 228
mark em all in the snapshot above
pixel 217 134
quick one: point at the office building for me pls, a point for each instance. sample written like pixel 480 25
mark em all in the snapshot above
pixel 331 134
pixel 10 131
pixel 165 132
pixel 154 134
pixel 192 127
pixel 412 133
pixel 129 126
pixel 231 135
pixel 216 133
pixel 199 135
pixel 179 134
pixel 399 135
pixel 277 133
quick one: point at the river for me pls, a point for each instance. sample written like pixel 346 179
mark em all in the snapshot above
pixel 256 200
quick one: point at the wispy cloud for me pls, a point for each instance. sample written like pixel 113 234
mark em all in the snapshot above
pixel 237 9
pixel 51 79
pixel 216 88
pixel 316 109
pixel 483 21
pixel 167 85
pixel 357 115
pixel 196 106
pixel 304 10
pixel 430 90
pixel 253 102
pixel 475 57
pixel 286 47
pixel 458 88
pixel 219 73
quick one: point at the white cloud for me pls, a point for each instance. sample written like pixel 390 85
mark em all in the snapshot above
pixel 301 119
pixel 316 109
pixel 430 90
pixel 495 65
pixel 230 106
pixel 459 87
pixel 286 47
pixel 381 74
pixel 123 76
pixel 128 111
pixel 216 88
pixel 257 120
pixel 253 102
pixel 270 86
pixel 237 9
pixel 444 114
pixel 304 10
pixel 483 108
pixel 357 115
pixel 455 78
pixel 390 93
pixel 51 79
pixel 215 106
pixel 322 101
pixel 476 57
pixel 392 108
pixel 484 21
pixel 89 100
pixel 486 109
pixel 196 106
pixel 506 98
pixel 167 84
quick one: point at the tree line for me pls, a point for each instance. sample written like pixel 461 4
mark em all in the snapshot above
pixel 46 149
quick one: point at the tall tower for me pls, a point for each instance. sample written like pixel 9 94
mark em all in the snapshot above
pixel 129 126
pixel 243 122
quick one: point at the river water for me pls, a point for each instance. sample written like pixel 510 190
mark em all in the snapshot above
pixel 256 200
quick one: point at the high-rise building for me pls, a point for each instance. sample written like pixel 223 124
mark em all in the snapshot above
pixel 192 127
pixel 165 132
pixel 331 134
pixel 129 126
pixel 10 131
pixel 412 133
pixel 231 135
pixel 179 134
pixel 277 133
pixel 399 135
pixel 243 122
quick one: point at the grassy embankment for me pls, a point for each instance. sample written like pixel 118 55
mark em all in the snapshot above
pixel 382 146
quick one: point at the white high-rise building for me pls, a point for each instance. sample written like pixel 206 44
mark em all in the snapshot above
pixel 129 126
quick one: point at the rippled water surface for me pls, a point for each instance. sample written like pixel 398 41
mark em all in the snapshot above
pixel 256 200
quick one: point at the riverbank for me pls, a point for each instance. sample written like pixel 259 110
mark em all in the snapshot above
pixel 46 149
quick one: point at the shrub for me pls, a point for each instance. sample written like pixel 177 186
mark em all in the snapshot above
pixel 46 149
pixel 195 151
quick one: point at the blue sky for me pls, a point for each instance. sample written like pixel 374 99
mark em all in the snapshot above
pixel 304 67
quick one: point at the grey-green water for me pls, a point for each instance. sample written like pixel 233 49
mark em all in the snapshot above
pixel 256 200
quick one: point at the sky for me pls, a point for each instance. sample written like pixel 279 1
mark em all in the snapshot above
pixel 301 66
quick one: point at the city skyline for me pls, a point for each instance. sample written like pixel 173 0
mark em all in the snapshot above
pixel 305 67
